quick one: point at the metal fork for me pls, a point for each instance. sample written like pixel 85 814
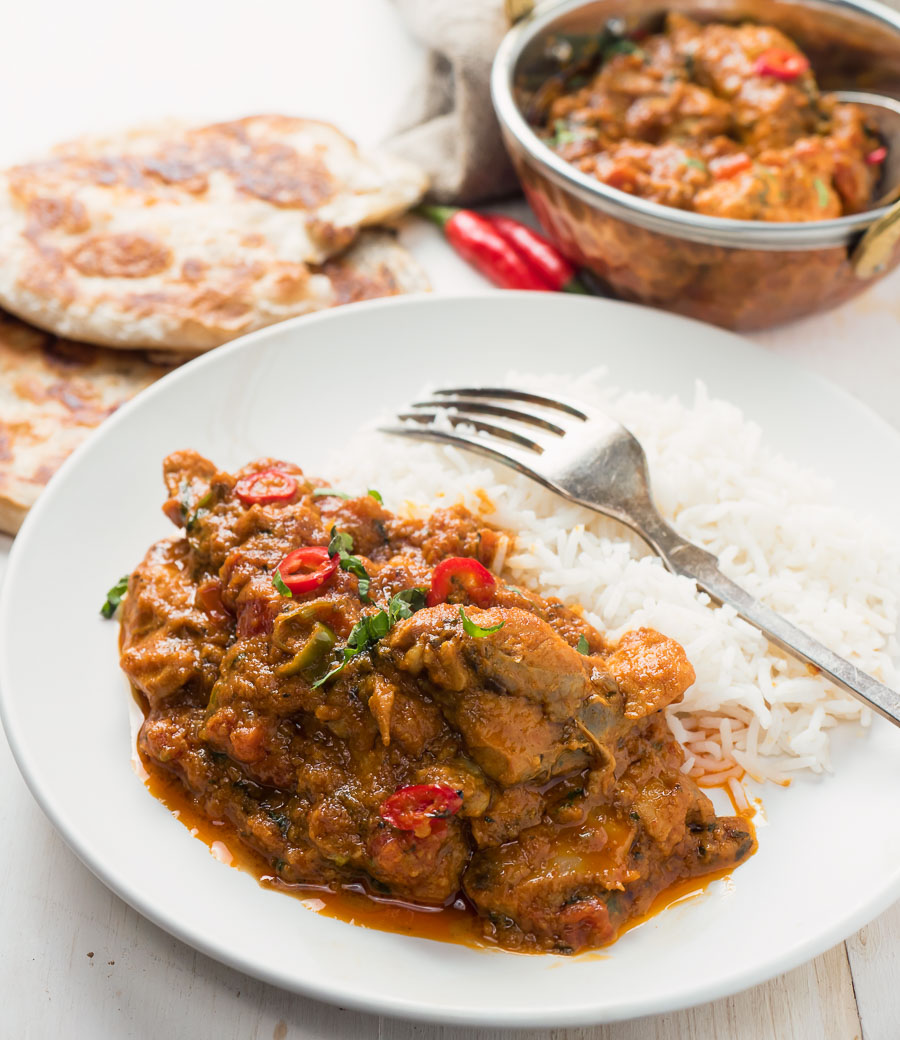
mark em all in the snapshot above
pixel 588 458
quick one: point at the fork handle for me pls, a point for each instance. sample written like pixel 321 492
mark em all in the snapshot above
pixel 693 562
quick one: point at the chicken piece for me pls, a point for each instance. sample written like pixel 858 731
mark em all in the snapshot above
pixel 530 884
pixel 651 670
pixel 168 641
pixel 527 704
pixel 462 776
pixel 188 476
pixel 520 696
pixel 510 812
pixel 427 869
pixel 849 142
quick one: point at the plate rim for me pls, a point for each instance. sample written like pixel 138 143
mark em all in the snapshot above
pixel 580 1015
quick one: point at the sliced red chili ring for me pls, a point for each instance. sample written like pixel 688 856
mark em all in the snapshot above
pixel 414 808
pixel 877 156
pixel 306 569
pixel 268 485
pixel 730 165
pixel 780 63
pixel 465 574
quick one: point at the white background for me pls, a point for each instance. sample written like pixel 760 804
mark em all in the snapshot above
pixel 67 68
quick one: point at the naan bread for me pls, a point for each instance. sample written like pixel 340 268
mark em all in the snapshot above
pixel 375 265
pixel 53 392
pixel 180 238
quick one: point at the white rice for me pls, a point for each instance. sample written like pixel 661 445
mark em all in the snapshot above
pixel 772 525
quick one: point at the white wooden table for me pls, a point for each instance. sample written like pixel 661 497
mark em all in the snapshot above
pixel 75 961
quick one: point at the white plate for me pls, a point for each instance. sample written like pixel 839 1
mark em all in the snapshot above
pixel 828 861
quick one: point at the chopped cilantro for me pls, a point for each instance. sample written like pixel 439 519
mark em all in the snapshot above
pixel 185 501
pixel 406 603
pixel 329 493
pixel 114 597
pixel 698 164
pixel 562 134
pixel 582 646
pixel 281 820
pixel 340 542
pixel 201 510
pixel 191 513
pixel 622 46
pixel 477 631
pixel 821 191
pixel 279 584
pixel 340 545
pixel 374 627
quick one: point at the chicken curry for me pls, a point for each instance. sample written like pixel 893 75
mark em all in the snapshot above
pixel 724 120
pixel 370 707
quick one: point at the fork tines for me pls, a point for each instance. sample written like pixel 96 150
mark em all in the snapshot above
pixel 450 414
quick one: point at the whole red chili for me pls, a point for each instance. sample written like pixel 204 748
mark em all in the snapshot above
pixel 462 573
pixel 540 254
pixel 877 156
pixel 268 485
pixel 306 569
pixel 780 63
pixel 414 808
pixel 479 243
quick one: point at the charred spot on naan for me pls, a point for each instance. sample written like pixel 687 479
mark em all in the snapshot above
pixel 121 256
pixel 44 275
pixel 67 214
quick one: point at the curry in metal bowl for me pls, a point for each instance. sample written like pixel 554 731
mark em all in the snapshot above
pixel 688 157
pixel 723 120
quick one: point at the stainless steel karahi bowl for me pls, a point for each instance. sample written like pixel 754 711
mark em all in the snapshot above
pixel 740 274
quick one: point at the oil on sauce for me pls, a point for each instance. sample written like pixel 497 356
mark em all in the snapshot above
pixel 456 923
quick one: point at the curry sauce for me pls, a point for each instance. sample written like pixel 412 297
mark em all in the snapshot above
pixel 456 922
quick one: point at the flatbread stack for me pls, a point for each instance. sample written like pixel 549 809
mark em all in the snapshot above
pixel 52 394
pixel 178 239
pixel 171 240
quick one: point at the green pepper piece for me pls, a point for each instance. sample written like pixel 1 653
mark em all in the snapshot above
pixel 293 626
pixel 320 642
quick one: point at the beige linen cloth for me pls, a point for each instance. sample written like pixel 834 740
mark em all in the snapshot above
pixel 451 131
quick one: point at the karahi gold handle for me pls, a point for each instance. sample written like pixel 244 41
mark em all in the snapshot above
pixel 516 10
pixel 875 249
